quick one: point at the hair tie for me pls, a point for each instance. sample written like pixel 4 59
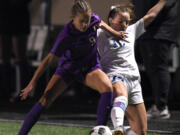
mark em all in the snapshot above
pixel 113 7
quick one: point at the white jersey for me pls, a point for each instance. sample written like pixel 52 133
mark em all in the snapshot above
pixel 120 59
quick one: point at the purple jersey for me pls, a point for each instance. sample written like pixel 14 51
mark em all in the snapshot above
pixel 77 50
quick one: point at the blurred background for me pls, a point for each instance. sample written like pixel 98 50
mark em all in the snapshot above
pixel 46 19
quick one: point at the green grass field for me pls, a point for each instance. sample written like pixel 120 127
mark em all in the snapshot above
pixel 11 128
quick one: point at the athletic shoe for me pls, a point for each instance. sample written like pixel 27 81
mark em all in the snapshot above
pixel 151 110
pixel 155 113
pixel 164 114
pixel 118 131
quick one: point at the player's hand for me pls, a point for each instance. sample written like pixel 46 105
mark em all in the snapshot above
pixel 26 91
pixel 122 35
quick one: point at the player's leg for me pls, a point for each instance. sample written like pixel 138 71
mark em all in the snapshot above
pixel 136 115
pixel 54 88
pixel 119 106
pixel 99 81
pixel 136 111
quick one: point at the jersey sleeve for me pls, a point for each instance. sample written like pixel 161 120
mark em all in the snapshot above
pixel 139 28
pixel 95 19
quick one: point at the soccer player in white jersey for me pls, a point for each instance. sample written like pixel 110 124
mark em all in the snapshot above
pixel 118 61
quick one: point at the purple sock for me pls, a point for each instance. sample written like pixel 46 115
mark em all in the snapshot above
pixel 104 108
pixel 31 118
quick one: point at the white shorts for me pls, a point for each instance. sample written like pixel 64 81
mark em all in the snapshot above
pixel 133 87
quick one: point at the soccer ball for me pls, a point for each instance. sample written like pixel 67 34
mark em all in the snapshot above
pixel 100 130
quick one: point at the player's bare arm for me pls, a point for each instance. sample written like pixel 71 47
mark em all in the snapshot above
pixel 153 12
pixel 117 34
pixel 40 70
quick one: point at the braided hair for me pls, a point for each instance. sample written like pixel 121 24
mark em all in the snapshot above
pixel 80 6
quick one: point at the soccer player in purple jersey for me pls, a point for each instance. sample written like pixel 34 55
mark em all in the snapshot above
pixel 77 48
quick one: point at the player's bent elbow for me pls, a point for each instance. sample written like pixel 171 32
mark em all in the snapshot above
pixel 149 18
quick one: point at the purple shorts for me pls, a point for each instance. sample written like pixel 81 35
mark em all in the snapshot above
pixel 75 73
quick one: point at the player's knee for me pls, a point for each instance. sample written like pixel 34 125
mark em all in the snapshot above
pixel 118 93
pixel 107 88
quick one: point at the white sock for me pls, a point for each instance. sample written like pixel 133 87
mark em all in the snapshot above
pixel 117 111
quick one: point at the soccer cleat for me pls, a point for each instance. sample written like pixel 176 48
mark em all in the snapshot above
pixel 118 131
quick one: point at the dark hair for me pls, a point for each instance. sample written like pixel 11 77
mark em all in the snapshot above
pixel 80 6
pixel 123 7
